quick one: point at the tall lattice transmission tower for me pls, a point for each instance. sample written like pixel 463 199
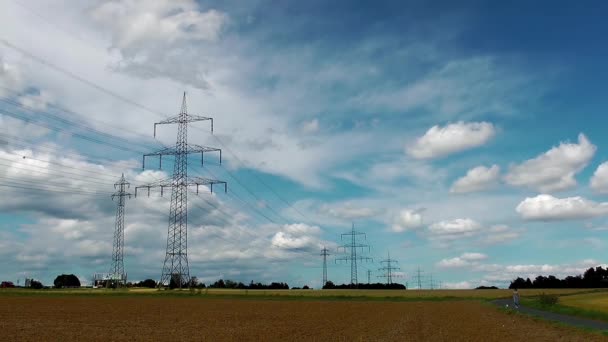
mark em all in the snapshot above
pixel 324 254
pixel 388 269
pixel 176 272
pixel 418 278
pixel 352 258
pixel 369 276
pixel 118 277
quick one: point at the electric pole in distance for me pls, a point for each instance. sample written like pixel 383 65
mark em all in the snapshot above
pixel 324 253
pixel 369 276
pixel 418 277
pixel 175 267
pixel 353 245
pixel 388 269
pixel 118 276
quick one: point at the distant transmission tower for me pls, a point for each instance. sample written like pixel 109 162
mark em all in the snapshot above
pixel 324 253
pixel 175 267
pixel 353 245
pixel 418 278
pixel 369 276
pixel 118 276
pixel 388 269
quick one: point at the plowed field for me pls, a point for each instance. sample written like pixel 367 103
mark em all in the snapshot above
pixel 195 319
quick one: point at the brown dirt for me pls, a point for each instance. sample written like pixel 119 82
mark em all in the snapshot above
pixel 199 319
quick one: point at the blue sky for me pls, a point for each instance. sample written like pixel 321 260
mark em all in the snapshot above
pixel 466 139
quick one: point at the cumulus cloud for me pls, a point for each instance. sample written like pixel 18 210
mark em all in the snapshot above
pixel 454 229
pixel 297 237
pixel 151 35
pixel 11 78
pixel 599 180
pixel 506 273
pixel 555 169
pixel 140 24
pixel 310 127
pixel 548 208
pixel 464 260
pixel 348 211
pixel 498 234
pixel 407 219
pixel 441 141
pixel 477 179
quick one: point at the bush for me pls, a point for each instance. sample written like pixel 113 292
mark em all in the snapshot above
pixel 548 299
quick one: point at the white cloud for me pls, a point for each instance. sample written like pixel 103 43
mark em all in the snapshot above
pixel 555 169
pixel 347 211
pixel 477 179
pixel 462 285
pixel 473 256
pixel 454 229
pixel 599 180
pixel 297 237
pixel 137 24
pixel 11 78
pixel 548 208
pixel 441 141
pixel 499 234
pixel 310 127
pixel 506 273
pixel 464 260
pixel 407 219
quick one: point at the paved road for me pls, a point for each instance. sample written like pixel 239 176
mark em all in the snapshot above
pixel 570 320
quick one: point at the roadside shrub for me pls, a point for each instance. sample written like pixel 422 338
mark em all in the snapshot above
pixel 548 299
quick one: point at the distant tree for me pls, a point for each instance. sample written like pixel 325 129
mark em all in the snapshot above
pixel 305 287
pixel 149 283
pixel 34 284
pixel 230 284
pixel 7 284
pixel 329 285
pixel 218 284
pixel 66 280
pixel 486 288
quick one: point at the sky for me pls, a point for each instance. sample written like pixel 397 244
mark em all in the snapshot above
pixel 464 139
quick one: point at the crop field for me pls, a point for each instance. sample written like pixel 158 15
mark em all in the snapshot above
pixel 65 317
pixel 371 294
pixel 591 301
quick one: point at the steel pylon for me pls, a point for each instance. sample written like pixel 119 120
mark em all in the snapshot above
pixel 176 271
pixel 118 276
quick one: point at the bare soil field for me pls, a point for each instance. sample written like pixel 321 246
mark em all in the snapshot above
pixel 147 318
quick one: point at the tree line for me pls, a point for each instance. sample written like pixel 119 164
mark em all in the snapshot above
pixel 377 286
pixel 592 278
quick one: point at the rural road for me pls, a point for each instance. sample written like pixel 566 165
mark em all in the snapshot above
pixel 570 320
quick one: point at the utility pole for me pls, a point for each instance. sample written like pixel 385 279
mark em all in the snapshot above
pixel 324 253
pixel 353 245
pixel 175 267
pixel 388 269
pixel 431 282
pixel 118 276
pixel 369 276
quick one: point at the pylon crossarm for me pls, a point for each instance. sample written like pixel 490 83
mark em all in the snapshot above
pixel 198 181
pixel 183 119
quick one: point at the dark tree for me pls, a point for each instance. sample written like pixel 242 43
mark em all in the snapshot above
pixel 149 283
pixel 66 280
pixel 36 284
pixel 329 285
